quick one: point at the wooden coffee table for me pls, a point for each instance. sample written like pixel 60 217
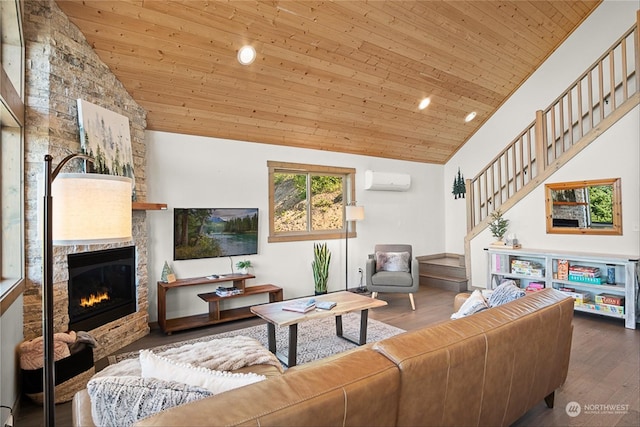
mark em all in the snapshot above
pixel 346 302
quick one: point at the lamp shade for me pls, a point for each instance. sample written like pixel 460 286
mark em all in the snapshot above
pixel 91 208
pixel 354 213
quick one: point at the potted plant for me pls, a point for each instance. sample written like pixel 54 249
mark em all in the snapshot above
pixel 320 266
pixel 243 266
pixel 498 225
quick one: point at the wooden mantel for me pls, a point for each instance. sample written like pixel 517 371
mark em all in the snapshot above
pixel 145 206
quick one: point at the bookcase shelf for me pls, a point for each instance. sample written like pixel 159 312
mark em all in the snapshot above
pixel 544 268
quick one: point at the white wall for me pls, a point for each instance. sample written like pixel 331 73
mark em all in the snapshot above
pixel 613 154
pixel 599 31
pixel 188 171
pixel 597 161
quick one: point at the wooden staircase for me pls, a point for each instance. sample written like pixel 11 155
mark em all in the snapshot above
pixel 443 271
pixel 602 95
pixel 594 102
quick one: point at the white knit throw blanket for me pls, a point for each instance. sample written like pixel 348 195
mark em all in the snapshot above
pixel 223 354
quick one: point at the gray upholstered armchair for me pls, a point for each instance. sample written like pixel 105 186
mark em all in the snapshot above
pixel 392 268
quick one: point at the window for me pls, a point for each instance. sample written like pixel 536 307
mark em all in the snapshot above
pixel 584 207
pixel 11 153
pixel 307 202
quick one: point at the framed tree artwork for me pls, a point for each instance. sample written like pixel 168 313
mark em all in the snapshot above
pixel 105 136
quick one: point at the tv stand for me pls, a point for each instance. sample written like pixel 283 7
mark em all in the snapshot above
pixel 215 314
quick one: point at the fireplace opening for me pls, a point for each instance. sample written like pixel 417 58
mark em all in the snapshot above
pixel 102 287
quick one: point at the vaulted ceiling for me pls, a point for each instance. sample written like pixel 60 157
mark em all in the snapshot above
pixel 344 76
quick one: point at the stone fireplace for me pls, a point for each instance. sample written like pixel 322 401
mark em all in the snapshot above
pixel 61 67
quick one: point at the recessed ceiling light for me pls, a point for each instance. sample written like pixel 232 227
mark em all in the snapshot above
pixel 424 103
pixel 246 55
pixel 470 116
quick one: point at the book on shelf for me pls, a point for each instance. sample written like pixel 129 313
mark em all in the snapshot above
pixel 325 305
pixel 534 286
pixel 585 271
pixel 585 279
pixel 300 306
pixel 610 299
pixel 501 262
pixel 579 297
pixel 527 268
pixel 605 308
pixel 563 269
pixel 222 291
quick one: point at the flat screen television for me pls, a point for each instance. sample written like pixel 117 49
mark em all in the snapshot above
pixel 216 232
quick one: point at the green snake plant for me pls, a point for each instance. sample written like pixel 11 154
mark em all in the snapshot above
pixel 320 266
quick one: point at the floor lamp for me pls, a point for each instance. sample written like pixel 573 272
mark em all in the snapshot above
pixel 89 209
pixel 352 213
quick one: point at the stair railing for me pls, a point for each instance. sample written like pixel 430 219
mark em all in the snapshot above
pixel 599 97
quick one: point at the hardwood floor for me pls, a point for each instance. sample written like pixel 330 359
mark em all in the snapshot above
pixel 604 372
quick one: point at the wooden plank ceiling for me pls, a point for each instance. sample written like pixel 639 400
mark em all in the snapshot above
pixel 344 76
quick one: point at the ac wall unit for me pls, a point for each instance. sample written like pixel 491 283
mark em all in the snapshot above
pixel 382 181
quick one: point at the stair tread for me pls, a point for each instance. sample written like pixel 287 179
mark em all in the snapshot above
pixel 448 278
pixel 448 261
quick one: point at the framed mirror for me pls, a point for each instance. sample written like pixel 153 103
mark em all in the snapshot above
pixel 584 207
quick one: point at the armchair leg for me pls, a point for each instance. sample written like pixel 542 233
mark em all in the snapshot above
pixel 374 295
pixel 413 303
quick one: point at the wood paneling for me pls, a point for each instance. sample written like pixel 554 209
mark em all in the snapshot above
pixel 341 76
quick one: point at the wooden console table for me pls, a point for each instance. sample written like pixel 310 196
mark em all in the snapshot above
pixel 214 315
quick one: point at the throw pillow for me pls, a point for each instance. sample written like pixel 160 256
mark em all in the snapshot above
pixel 473 304
pixel 122 401
pixel 392 261
pixel 506 292
pixel 124 368
pixel 154 366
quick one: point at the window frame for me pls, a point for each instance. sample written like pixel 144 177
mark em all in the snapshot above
pixel 349 191
pixel 615 228
pixel 12 212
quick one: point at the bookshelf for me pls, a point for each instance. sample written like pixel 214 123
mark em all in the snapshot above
pixel 592 293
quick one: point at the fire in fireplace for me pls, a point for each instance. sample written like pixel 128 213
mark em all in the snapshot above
pixel 102 287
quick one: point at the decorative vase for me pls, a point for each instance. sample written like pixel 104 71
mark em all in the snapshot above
pixel 611 274
pixel 320 292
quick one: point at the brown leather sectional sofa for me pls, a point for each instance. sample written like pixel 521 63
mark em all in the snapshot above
pixel 486 369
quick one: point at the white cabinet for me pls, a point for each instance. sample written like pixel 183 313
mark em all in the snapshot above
pixel 598 282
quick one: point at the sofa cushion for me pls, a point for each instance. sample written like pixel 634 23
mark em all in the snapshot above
pixel 506 292
pixel 122 401
pixel 154 366
pixel 473 304
pixel 392 261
